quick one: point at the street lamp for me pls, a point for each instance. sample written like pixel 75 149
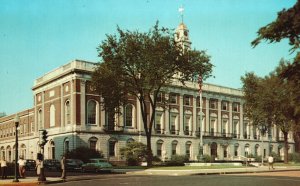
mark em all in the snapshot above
pixel 263 129
pixel 16 120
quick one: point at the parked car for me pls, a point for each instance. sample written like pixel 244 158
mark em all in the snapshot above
pixel 30 165
pixel 52 164
pixel 97 165
pixel 73 164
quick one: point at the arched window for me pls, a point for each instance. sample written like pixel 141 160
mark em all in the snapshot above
pixel 91 112
pixel 67 112
pixel 66 145
pixel 52 116
pixel 23 151
pixel 236 149
pixel 174 147
pixel 256 150
pixel 93 143
pixel 40 121
pixel 112 147
pixel 128 115
pixel 188 149
pixel 130 140
pixel 247 150
pixel 159 144
pixel 52 150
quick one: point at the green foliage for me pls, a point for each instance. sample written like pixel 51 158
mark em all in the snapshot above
pixel 295 157
pixel 177 160
pixel 134 152
pixel 207 158
pixel 141 65
pixel 84 154
pixel 276 157
pixel 287 25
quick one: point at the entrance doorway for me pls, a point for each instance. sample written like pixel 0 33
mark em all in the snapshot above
pixel 213 151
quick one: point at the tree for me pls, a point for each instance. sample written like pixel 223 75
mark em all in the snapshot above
pixel 269 101
pixel 84 154
pixel 287 26
pixel 134 152
pixel 141 65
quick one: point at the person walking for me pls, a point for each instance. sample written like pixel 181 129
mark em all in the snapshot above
pixel 3 168
pixel 63 167
pixel 271 162
pixel 22 163
pixel 38 167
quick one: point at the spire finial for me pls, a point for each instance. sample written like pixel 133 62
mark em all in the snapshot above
pixel 181 10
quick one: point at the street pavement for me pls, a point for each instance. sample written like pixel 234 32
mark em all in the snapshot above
pixel 30 181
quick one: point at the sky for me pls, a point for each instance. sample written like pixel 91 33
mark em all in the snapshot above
pixel 37 36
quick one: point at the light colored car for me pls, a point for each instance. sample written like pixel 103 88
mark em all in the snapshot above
pixel 97 165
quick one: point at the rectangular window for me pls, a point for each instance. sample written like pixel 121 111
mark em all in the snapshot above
pixel 173 98
pixel 213 104
pixel 112 148
pixel 159 147
pixel 187 100
pixel 224 105
pixel 235 107
pixel 159 98
pixel 172 124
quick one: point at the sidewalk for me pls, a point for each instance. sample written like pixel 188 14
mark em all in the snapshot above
pixel 213 171
pixel 30 181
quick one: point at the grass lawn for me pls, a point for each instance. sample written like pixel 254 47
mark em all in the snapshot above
pixel 196 167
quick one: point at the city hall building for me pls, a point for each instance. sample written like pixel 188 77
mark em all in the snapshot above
pixel 66 105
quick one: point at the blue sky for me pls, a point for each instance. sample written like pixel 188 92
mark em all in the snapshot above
pixel 37 36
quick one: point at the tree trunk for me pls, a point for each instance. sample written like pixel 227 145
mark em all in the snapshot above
pixel 286 147
pixel 149 151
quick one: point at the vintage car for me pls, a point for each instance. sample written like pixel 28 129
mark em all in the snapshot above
pixel 97 165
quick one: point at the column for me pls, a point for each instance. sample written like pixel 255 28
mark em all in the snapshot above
pixel 140 126
pixel 62 110
pixel 241 121
pixel 82 102
pixel 35 115
pixel 180 122
pixel 219 117
pixel 230 118
pixel 102 116
pixel 194 123
pixel 207 115
pixel 167 118
pixel 72 103
pixel 251 130
pixel 43 111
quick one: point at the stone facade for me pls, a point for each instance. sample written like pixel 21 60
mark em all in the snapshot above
pixel 66 106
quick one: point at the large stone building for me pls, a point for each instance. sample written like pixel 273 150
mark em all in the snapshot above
pixel 66 106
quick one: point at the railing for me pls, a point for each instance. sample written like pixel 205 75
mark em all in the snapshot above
pixel 219 134
pixel 113 129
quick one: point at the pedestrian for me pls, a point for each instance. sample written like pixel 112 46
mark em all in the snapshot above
pixel 271 162
pixel 63 167
pixel 38 167
pixel 22 163
pixel 3 168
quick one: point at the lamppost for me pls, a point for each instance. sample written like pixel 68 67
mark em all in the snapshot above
pixel 200 82
pixel 16 120
pixel 263 129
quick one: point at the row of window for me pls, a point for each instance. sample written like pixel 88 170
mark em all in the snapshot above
pixel 213 103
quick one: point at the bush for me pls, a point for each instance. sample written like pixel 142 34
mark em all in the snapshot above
pixel 276 157
pixel 177 160
pixel 84 154
pixel 295 157
pixel 134 152
pixel 206 158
